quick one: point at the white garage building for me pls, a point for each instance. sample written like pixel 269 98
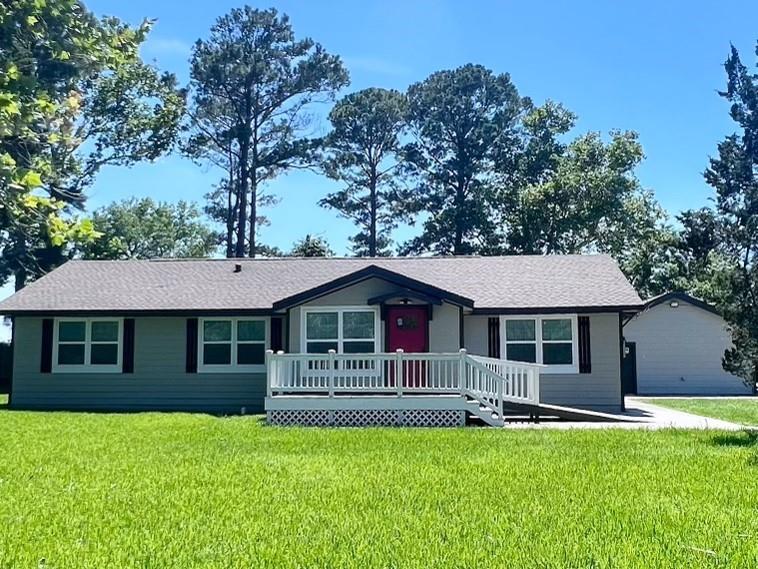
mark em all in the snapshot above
pixel 676 344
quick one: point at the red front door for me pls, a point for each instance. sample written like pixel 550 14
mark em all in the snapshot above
pixel 408 330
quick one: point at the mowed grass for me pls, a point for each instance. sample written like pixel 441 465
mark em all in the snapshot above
pixel 178 490
pixel 741 411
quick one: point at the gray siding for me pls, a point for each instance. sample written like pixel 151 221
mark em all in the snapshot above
pixel 159 381
pixel 599 390
pixel 444 329
pixel 679 352
pixel 475 334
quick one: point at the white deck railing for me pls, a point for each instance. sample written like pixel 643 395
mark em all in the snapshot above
pixel 488 380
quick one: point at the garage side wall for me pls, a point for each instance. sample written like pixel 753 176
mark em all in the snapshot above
pixel 679 352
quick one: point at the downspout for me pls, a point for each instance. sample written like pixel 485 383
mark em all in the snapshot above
pixel 623 322
pixel 461 339
pixel 621 358
pixel 286 330
pixel 13 359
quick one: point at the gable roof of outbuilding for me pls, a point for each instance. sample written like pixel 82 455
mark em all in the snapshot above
pixel 488 284
pixel 682 297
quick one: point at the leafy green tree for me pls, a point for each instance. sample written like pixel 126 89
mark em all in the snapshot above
pixel 687 259
pixel 461 121
pixel 733 173
pixel 536 154
pixel 251 85
pixel 311 246
pixel 581 196
pixel 145 229
pixel 74 97
pixel 581 201
pixel 363 148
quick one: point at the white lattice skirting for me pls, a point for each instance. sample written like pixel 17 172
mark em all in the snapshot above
pixel 369 418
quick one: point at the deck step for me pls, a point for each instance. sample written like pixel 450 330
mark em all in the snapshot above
pixel 486 415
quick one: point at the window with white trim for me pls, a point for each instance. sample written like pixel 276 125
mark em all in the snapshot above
pixel 232 344
pixel 549 340
pixel 87 345
pixel 344 330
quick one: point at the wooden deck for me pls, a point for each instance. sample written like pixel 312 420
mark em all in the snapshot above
pixel 395 388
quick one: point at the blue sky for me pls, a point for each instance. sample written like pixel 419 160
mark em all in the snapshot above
pixel 653 67
pixel 648 66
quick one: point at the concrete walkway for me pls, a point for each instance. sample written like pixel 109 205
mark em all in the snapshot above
pixel 666 417
pixel 638 415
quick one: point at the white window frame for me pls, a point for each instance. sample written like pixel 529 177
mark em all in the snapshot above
pixel 340 310
pixel 233 366
pixel 538 318
pixel 87 367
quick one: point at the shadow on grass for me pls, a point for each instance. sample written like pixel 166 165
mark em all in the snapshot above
pixel 85 410
pixel 745 438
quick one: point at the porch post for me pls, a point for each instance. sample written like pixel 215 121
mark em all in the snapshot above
pixel 283 370
pixel 462 369
pixel 500 381
pixel 535 372
pixel 399 371
pixel 331 373
pixel 269 373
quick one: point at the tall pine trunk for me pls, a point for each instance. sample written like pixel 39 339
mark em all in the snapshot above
pixel 374 208
pixel 231 207
pixel 19 279
pixel 245 142
pixel 239 249
pixel 253 215
pixel 458 239
pixel 254 196
pixel 230 213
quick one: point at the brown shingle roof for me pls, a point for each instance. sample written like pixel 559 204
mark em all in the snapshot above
pixel 514 282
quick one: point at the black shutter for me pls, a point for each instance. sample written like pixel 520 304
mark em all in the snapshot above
pixel 127 364
pixel 191 345
pixel 277 334
pixel 46 353
pixel 493 337
pixel 585 355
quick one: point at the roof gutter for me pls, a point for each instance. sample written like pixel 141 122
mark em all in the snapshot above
pixel 560 309
pixel 146 312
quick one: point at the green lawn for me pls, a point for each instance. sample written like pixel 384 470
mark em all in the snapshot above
pixel 177 490
pixel 742 411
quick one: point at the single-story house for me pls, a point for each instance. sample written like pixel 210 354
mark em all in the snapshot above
pixel 421 340
pixel 675 346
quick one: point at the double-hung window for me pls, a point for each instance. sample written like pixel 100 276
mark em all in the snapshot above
pixel 344 330
pixel 87 345
pixel 549 340
pixel 232 344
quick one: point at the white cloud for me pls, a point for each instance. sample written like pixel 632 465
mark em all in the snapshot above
pixel 376 65
pixel 166 47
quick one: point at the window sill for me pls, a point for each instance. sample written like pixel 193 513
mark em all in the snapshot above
pixel 87 369
pixel 559 370
pixel 228 369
